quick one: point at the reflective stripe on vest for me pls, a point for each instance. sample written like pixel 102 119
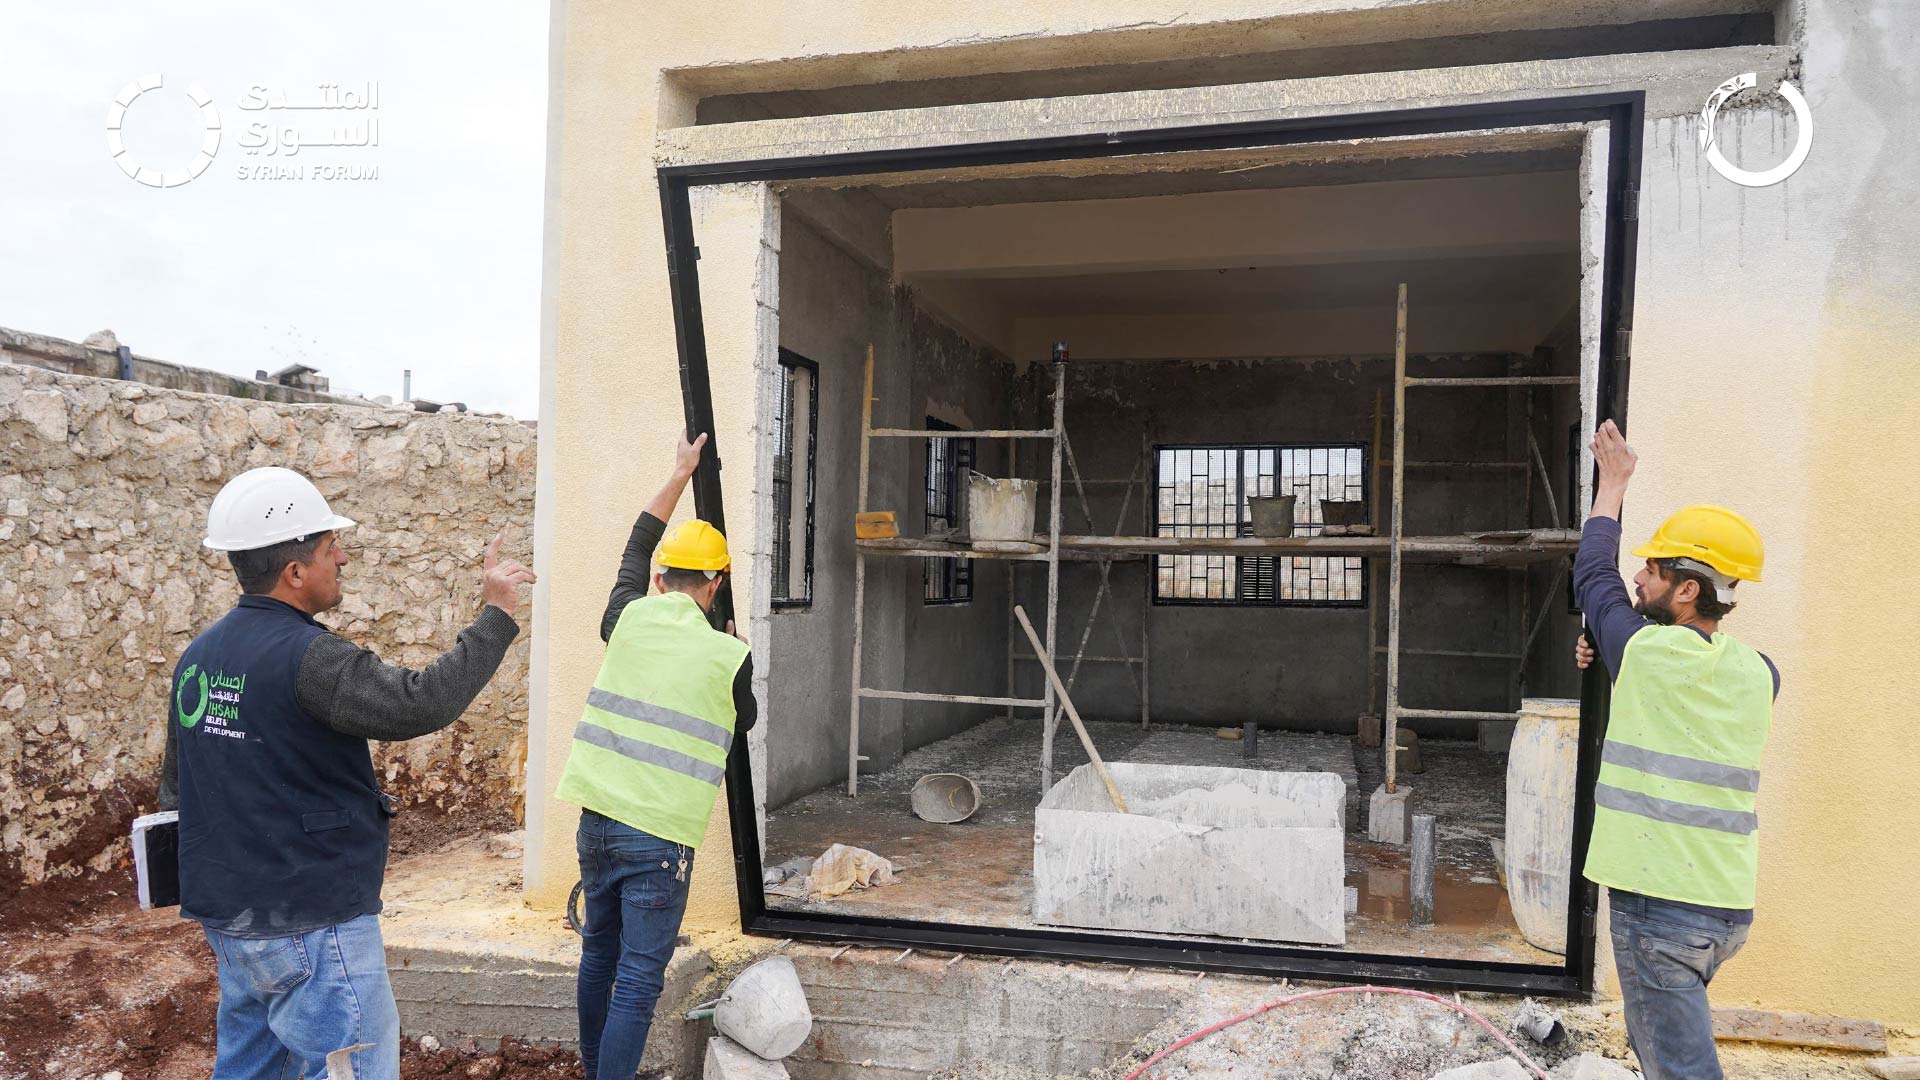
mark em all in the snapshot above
pixel 1674 805
pixel 650 750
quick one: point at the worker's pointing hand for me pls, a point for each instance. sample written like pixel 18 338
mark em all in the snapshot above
pixel 686 457
pixel 736 633
pixel 500 580
pixel 1612 456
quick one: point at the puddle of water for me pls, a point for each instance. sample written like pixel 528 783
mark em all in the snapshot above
pixel 1459 900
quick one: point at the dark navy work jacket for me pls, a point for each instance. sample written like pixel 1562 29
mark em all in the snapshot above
pixel 282 826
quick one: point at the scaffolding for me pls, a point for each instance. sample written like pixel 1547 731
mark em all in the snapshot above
pixel 1514 549
pixel 1541 544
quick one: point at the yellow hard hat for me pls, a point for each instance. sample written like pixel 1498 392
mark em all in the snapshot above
pixel 1713 535
pixel 693 545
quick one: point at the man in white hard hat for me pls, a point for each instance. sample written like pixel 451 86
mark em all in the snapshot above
pixel 283 826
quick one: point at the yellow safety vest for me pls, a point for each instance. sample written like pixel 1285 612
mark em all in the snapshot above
pixel 1674 806
pixel 651 748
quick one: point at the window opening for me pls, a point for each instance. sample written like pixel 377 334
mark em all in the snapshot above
pixel 948 581
pixel 796 416
pixel 1203 491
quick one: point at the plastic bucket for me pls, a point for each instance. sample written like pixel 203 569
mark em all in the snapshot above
pixel 1272 514
pixel 945 798
pixel 1343 512
pixel 765 1009
pixel 1000 510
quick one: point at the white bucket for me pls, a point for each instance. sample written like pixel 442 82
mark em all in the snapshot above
pixel 1540 782
pixel 1000 510
pixel 945 798
pixel 765 1009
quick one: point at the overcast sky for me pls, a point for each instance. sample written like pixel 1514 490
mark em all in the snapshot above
pixel 429 260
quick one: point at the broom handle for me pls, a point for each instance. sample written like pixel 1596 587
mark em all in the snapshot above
pixel 1046 662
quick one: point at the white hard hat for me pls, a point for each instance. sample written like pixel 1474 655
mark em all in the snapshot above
pixel 263 507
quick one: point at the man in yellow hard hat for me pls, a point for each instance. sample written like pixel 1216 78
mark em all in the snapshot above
pixel 647 759
pixel 1675 836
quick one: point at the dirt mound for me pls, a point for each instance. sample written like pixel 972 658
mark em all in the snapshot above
pixel 513 1061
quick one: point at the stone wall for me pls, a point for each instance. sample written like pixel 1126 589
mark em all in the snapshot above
pixel 103 499
pixel 92 358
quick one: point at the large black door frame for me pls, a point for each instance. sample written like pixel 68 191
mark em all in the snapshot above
pixel 1624 114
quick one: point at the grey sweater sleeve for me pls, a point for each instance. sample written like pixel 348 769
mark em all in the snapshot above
pixel 354 692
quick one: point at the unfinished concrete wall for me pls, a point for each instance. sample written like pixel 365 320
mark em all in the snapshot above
pixel 832 306
pixel 103 581
pixel 1294 667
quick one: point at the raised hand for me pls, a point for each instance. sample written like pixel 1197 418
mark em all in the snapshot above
pixel 686 457
pixel 500 580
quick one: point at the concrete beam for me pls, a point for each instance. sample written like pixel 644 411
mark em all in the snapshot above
pixel 1403 220
pixel 1676 83
pixel 854 221
pixel 1462 328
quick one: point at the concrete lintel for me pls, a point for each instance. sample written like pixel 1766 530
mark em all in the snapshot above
pixel 1391 220
pixel 1676 83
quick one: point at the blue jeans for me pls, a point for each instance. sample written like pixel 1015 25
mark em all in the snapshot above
pixel 1666 955
pixel 288 1002
pixel 635 892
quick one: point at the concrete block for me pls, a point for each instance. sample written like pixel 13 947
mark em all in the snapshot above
pixel 1229 852
pixel 1496 735
pixel 1368 729
pixel 1593 1067
pixel 728 1060
pixel 1390 815
pixel 1498 1069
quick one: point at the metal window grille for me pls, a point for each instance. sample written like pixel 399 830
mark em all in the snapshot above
pixel 1203 492
pixel 947 581
pixel 795 422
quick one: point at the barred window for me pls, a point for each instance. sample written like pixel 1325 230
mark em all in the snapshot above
pixel 796 416
pixel 948 581
pixel 1203 492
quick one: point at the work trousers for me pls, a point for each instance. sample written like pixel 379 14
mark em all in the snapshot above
pixel 1666 955
pixel 635 888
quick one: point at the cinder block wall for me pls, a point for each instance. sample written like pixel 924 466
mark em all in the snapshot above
pixel 103 501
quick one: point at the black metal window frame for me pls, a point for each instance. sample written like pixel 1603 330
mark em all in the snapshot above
pixel 1623 112
pixel 1257 580
pixel 946 582
pixel 784 596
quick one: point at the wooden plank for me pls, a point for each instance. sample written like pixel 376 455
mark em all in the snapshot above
pixel 1501 380
pixel 1799 1029
pixel 952 699
pixel 1896 1068
pixel 923 433
pixel 1390 741
pixel 1453 714
pixel 860 583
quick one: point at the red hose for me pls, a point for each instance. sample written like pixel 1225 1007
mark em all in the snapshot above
pixel 1462 1009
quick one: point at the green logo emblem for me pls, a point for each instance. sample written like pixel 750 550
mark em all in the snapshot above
pixel 190 718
